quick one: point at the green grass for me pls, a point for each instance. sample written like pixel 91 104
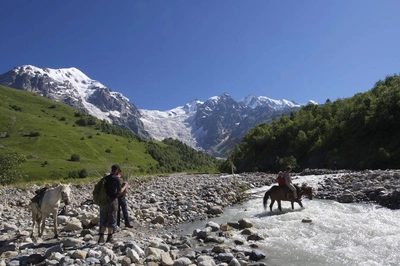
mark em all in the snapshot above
pixel 46 133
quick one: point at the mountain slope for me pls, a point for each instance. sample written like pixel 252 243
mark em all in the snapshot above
pixel 48 133
pixel 72 87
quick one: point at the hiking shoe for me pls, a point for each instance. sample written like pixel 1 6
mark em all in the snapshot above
pixel 129 226
pixel 110 239
pixel 101 239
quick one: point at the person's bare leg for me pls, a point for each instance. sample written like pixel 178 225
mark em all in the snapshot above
pixel 101 235
pixel 109 237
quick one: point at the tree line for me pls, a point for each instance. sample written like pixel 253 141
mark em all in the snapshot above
pixel 360 132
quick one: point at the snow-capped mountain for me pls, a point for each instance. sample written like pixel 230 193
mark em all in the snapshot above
pixel 254 101
pixel 72 87
pixel 213 126
pixel 176 123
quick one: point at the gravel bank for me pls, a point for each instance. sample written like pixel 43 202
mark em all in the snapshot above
pixel 157 208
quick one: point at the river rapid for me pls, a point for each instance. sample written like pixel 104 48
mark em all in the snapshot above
pixel 338 234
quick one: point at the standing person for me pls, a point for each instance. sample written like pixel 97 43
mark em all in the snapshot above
pixel 288 181
pixel 122 205
pixel 109 210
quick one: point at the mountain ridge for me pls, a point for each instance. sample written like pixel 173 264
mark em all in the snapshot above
pixel 213 126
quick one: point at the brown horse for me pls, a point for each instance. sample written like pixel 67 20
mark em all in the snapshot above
pixel 278 194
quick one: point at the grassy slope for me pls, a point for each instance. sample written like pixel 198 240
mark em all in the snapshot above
pixel 49 154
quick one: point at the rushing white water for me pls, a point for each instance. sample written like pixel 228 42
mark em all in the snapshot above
pixel 339 234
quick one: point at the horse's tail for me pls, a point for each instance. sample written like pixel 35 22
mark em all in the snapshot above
pixel 266 196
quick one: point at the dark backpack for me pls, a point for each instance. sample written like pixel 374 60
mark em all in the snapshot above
pixel 100 196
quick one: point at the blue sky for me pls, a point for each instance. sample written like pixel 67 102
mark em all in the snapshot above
pixel 164 53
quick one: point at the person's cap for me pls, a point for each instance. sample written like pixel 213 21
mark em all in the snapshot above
pixel 116 167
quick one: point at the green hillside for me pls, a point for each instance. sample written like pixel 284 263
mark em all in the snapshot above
pixel 49 134
pixel 360 132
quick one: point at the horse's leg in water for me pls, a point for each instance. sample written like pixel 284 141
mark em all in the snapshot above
pixel 279 205
pixel 292 202
pixel 301 204
pixel 272 203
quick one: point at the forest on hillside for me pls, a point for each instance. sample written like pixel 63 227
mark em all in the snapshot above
pixel 360 132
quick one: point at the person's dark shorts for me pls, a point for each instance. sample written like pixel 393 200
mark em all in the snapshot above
pixel 110 213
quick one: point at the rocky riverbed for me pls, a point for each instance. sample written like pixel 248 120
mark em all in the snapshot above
pixel 379 187
pixel 157 208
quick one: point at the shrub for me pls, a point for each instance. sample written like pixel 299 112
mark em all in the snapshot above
pixel 16 107
pixel 73 174
pixel 34 134
pixel 75 157
pixel 83 173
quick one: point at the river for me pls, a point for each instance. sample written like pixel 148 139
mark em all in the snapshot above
pixel 339 234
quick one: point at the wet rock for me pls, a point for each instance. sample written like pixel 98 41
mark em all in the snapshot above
pixel 346 198
pixel 245 223
pixel 215 210
pixel 256 255
pixel 255 237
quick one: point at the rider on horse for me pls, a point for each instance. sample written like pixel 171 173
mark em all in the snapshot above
pixel 283 184
pixel 288 181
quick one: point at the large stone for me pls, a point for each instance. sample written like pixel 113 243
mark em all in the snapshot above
pixel 234 225
pixel 73 225
pixel 215 210
pixel 205 260
pixel 214 226
pixel 346 198
pixel 234 262
pixel 245 223
pixel 79 254
pixel 158 220
pixel 255 237
pixel 256 255
pixel 159 245
pixel 166 259
pixel 357 186
pixel 53 249
pixel 182 262
pixel 10 227
pixel 202 234
pixel 35 259
pixel 133 255
pixel 72 242
pixel 154 252
pixel 225 257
